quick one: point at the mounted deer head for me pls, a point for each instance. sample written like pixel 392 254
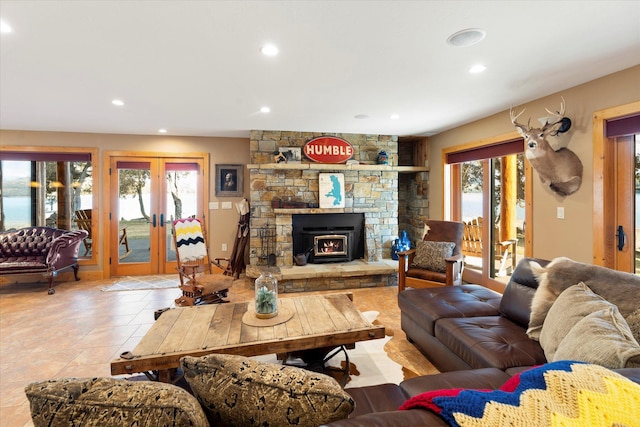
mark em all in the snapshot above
pixel 560 169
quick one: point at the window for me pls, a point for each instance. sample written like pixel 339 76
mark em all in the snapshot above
pixel 46 187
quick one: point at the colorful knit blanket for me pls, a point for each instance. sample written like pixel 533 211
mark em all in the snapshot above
pixel 189 239
pixel 563 393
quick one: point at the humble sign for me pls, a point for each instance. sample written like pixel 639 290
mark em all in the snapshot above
pixel 328 149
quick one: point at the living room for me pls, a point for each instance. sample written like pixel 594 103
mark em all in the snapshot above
pixel 580 235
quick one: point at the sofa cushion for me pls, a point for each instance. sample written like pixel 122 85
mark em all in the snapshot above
pixel 489 342
pixel 602 337
pixel 376 398
pixel 472 378
pixel 619 288
pixel 427 305
pixel 431 255
pixel 633 320
pixel 571 306
pixel 109 402
pixel 240 391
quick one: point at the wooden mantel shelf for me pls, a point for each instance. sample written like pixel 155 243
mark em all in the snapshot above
pixel 336 167
pixel 284 211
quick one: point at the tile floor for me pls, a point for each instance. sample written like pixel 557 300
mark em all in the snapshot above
pixel 78 331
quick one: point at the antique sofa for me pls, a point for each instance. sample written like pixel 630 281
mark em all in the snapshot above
pixel 44 250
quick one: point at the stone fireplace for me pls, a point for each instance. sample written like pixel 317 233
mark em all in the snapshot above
pixel 279 192
pixel 371 190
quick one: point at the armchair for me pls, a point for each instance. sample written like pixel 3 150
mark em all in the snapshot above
pixel 412 274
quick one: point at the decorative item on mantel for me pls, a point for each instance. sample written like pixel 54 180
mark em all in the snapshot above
pixel 266 287
pixel 328 149
pixel 383 158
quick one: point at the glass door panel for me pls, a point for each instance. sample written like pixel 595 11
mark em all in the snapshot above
pixel 507 214
pixel 134 219
pixel 472 178
pixel 183 187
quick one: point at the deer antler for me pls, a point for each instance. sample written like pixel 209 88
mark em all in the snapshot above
pixel 557 113
pixel 514 118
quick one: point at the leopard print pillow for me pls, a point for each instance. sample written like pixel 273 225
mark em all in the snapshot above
pixel 431 255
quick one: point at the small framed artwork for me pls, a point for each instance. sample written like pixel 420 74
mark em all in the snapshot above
pixel 229 181
pixel 291 154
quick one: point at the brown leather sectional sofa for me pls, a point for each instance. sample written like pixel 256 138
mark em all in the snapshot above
pixel 476 337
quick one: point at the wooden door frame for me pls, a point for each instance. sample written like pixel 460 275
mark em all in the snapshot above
pixel 456 211
pixel 106 183
pixel 604 177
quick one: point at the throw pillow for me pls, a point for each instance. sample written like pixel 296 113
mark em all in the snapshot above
pixel 633 320
pixel 603 338
pixel 240 391
pixel 541 301
pixel 619 288
pixel 431 255
pixel 110 402
pixel 573 304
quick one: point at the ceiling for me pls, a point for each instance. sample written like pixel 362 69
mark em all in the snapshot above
pixel 195 67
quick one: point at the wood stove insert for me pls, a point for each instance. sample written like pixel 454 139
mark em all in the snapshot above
pixel 329 237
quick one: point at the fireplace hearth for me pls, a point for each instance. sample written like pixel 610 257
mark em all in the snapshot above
pixel 329 237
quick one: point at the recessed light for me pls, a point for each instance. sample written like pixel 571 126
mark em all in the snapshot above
pixel 478 68
pixel 118 102
pixel 467 37
pixel 361 116
pixel 394 116
pixel 265 110
pixel 5 28
pixel 162 131
pixel 269 50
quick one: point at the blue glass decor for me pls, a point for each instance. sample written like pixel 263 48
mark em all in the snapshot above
pixel 383 158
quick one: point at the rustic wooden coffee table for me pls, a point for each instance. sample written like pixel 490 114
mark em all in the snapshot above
pixel 317 321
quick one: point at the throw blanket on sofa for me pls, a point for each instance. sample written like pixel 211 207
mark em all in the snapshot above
pixel 564 393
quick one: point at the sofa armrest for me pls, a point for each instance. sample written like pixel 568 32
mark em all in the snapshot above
pixel 454 269
pixel 63 251
pixel 405 258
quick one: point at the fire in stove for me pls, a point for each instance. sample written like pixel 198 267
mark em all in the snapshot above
pixel 330 245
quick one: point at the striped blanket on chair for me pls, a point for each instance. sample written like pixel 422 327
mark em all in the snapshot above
pixel 189 239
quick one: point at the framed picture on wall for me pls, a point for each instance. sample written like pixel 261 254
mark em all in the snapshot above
pixel 229 181
pixel 331 190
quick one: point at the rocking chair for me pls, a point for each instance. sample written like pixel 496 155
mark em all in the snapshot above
pixel 201 281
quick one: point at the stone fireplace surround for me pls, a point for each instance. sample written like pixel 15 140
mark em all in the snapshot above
pixel 370 189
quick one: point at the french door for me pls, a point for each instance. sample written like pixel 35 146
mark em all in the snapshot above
pixel 616 187
pixel 147 194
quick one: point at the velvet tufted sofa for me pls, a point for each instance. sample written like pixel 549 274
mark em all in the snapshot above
pixel 44 250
